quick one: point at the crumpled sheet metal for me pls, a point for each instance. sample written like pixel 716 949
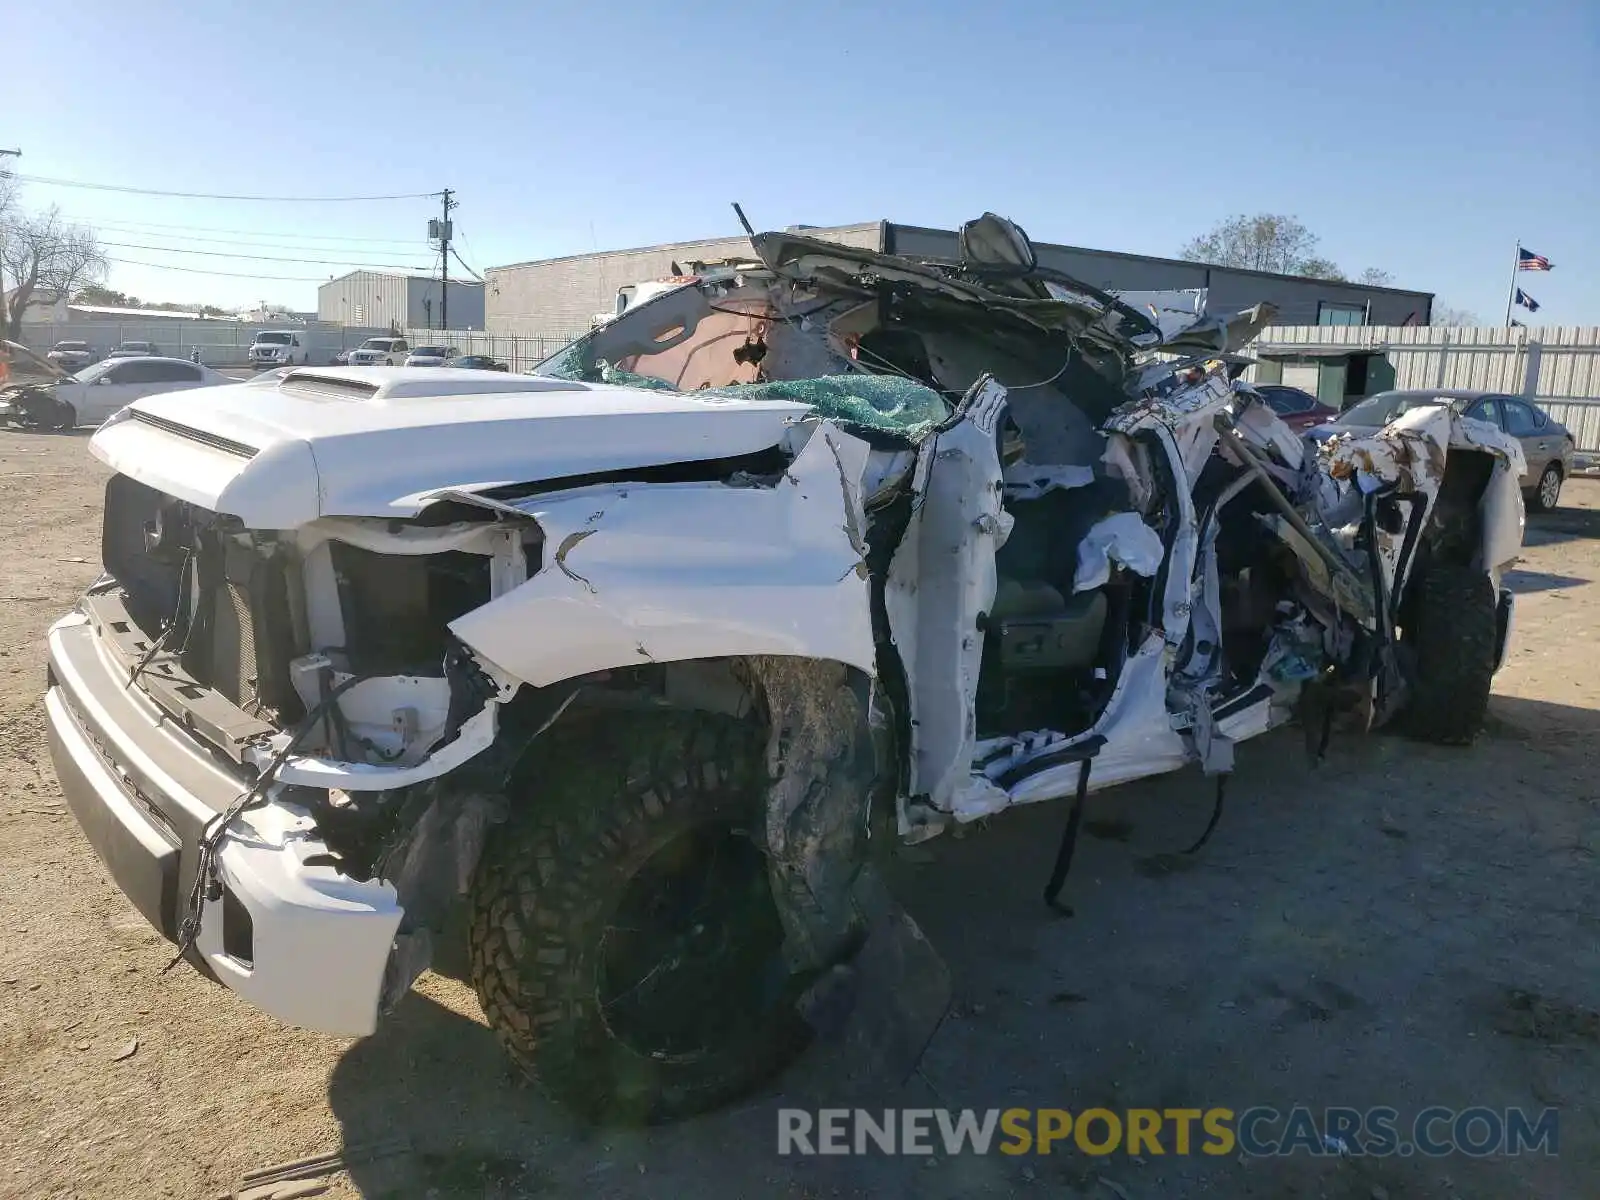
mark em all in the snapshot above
pixel 1029 481
pixel 674 572
pixel 1175 408
pixel 1123 538
pixel 1409 451
pixel 1412 449
pixel 1481 435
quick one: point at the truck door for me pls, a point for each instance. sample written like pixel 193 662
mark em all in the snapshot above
pixel 941 584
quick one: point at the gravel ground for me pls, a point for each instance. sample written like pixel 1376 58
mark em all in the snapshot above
pixel 1403 926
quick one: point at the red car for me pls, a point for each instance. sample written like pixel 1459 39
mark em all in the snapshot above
pixel 1297 409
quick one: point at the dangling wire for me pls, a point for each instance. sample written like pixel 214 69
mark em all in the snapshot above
pixel 172 624
pixel 206 884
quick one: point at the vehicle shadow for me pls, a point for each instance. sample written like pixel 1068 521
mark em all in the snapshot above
pixel 1564 524
pixel 1523 582
pixel 81 431
pixel 1339 936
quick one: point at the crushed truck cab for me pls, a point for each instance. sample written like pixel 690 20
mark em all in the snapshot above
pixel 643 657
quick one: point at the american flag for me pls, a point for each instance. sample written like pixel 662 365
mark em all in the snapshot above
pixel 1527 260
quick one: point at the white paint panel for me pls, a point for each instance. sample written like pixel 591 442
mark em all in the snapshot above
pixel 670 572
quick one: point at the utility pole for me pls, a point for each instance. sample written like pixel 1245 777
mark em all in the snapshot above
pixel 5 309
pixel 444 263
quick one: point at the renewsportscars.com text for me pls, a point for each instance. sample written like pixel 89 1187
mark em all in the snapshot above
pixel 1261 1131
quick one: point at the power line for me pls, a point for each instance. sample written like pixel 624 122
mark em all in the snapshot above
pixel 325 262
pixel 130 262
pixel 465 241
pixel 464 266
pixel 99 227
pixel 133 191
pixel 308 237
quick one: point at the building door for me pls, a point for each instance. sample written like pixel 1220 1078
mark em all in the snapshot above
pixel 1301 375
pixel 1330 382
pixel 1380 375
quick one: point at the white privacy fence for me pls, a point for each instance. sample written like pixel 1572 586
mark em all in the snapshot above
pixel 1556 366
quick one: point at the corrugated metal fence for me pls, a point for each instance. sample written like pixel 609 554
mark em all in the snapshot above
pixel 1556 366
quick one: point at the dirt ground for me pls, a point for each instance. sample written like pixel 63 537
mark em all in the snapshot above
pixel 1404 926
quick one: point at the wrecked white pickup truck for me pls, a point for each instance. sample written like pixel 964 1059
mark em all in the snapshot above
pixel 645 655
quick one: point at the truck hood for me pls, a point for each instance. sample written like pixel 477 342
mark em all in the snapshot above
pixel 377 442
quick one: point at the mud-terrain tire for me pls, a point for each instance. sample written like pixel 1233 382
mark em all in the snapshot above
pixel 1453 634
pixel 1545 495
pixel 637 844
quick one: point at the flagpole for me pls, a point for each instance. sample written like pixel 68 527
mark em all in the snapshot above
pixel 1516 261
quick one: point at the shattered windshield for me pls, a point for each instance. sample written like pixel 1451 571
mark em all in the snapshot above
pixel 724 352
pixel 885 403
pixel 1379 410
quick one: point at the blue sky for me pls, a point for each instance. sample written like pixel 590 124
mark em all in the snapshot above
pixel 1421 137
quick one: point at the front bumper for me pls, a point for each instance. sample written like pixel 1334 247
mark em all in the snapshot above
pixel 303 943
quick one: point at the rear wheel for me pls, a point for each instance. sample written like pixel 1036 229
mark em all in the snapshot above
pixel 1453 632
pixel 1546 493
pixel 624 941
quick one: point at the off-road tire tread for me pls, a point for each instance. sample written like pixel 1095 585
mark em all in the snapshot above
pixel 599 804
pixel 1457 628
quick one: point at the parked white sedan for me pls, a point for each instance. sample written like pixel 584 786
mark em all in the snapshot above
pixel 96 392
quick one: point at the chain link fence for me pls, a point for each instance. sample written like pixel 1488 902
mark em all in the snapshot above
pixel 226 343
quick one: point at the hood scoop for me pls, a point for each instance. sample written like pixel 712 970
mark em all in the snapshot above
pixel 379 385
pixel 311 386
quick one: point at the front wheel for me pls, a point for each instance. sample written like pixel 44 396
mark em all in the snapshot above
pixel 1453 631
pixel 1546 493
pixel 66 419
pixel 624 942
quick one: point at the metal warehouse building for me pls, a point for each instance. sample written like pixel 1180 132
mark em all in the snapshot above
pixel 559 297
pixel 395 301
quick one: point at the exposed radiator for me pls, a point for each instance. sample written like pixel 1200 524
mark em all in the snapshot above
pixel 244 641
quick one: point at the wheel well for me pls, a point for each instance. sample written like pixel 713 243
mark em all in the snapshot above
pixel 827 757
pixel 1454 529
pixel 738 687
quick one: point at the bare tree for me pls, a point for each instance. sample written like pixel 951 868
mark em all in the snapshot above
pixel 1319 268
pixel 1264 242
pixel 8 203
pixel 1443 314
pixel 1271 242
pixel 44 259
